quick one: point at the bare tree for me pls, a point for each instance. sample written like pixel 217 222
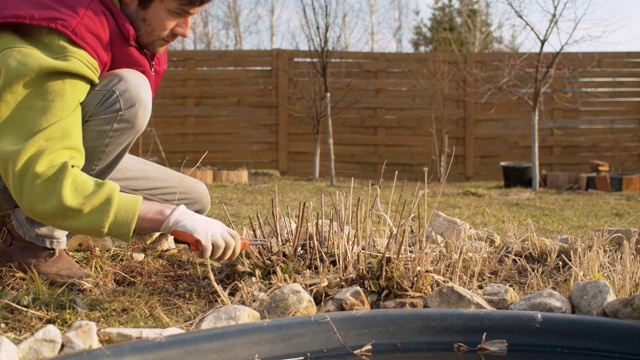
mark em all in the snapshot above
pixel 345 25
pixel 398 21
pixel 372 23
pixel 323 35
pixel 554 29
pixel 272 12
pixel 234 12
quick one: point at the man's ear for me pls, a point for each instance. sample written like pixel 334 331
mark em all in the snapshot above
pixel 128 7
pixel 128 4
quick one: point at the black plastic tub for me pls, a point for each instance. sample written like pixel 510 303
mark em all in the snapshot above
pixel 517 174
pixel 395 334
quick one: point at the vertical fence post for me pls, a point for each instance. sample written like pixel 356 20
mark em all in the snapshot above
pixel 189 101
pixel 556 115
pixel 381 114
pixel 470 116
pixel 281 58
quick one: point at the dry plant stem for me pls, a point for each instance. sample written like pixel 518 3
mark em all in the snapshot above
pixel 276 228
pixel 395 212
pixel 350 207
pixel 190 171
pixel 342 341
pixel 298 233
pixel 228 217
pixel 393 187
pixel 36 313
pixel 426 193
pixel 220 292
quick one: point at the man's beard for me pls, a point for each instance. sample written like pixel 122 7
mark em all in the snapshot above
pixel 145 35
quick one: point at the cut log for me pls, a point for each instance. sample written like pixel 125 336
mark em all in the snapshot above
pixel 204 175
pixel 562 180
pixel 240 176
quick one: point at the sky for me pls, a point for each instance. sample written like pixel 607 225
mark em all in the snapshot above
pixel 615 23
pixel 627 36
pixel 609 25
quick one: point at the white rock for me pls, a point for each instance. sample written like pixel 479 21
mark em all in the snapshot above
pixel 448 227
pixel 291 300
pixel 82 335
pixel 137 256
pixel 451 296
pixel 156 240
pixel 351 298
pixel 8 350
pixel 118 335
pixel 228 315
pixel 44 344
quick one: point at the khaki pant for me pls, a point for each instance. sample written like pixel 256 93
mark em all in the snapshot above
pixel 114 114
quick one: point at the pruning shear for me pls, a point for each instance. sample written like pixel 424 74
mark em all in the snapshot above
pixel 245 243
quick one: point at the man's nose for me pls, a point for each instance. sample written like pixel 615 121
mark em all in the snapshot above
pixel 183 27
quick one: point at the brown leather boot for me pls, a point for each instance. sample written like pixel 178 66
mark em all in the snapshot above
pixel 57 266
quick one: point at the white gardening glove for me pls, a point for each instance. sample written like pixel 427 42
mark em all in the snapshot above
pixel 210 237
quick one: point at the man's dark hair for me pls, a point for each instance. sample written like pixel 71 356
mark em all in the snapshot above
pixel 144 4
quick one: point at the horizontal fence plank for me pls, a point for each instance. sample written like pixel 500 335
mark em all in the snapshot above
pixel 393 108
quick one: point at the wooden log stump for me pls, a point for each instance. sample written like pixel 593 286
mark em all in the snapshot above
pixel 209 176
pixel 240 176
pixel 204 175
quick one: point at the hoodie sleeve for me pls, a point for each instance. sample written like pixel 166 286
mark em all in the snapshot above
pixel 44 78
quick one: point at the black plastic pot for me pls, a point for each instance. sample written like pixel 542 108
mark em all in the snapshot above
pixel 517 174
pixel 395 334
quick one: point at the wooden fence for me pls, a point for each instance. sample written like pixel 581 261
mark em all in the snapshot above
pixel 405 112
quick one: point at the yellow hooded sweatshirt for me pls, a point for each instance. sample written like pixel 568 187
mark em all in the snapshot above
pixel 44 77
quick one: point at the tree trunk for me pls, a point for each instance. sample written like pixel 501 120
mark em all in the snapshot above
pixel 273 24
pixel 316 155
pixel 332 171
pixel 535 177
pixel 443 156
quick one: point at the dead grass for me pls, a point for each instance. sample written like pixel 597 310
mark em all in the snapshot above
pixel 369 233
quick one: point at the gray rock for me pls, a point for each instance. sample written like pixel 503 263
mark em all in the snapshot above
pixel 87 243
pixel 44 343
pixel 82 335
pixel 286 228
pixel 476 248
pixel 624 308
pixel 620 239
pixel 544 301
pixel 448 227
pixel 628 234
pixel 544 246
pixel 352 298
pixel 8 350
pixel 450 296
pixel 413 303
pixel 326 231
pixel 488 236
pixel 499 296
pixel 566 240
pixel 118 335
pixel 291 300
pixel 228 315
pixel 589 298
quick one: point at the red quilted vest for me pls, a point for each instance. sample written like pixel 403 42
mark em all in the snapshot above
pixel 98 26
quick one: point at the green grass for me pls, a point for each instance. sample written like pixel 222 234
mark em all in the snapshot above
pixel 481 204
pixel 171 288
